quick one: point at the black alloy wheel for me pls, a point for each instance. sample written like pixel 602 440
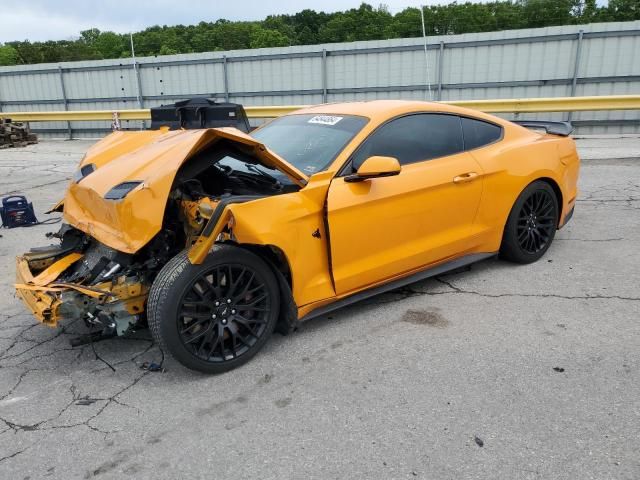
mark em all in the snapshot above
pixel 531 225
pixel 215 316
pixel 537 222
pixel 223 313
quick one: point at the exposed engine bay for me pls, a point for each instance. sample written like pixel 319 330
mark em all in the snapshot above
pixel 81 278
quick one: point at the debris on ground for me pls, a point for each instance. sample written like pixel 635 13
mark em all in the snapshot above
pixel 479 441
pixel 15 134
pixel 152 367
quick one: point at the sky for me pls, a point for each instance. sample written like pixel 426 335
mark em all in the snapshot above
pixel 37 20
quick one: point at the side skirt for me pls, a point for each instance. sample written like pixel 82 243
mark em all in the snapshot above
pixel 401 282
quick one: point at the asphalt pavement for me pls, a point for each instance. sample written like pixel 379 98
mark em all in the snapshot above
pixel 499 371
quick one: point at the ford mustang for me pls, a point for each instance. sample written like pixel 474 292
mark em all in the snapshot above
pixel 216 237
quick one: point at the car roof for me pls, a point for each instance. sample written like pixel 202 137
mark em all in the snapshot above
pixel 381 110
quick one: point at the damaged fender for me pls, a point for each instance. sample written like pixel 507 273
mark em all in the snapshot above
pixel 148 162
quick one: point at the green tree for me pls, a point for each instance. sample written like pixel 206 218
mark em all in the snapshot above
pixel 166 50
pixel 8 55
pixel 110 45
pixel 307 24
pixel 233 35
pixel 623 10
pixel 309 27
pixel 281 24
pixel 543 13
pixel 265 37
pixel 89 36
pixel 363 23
pixel 406 23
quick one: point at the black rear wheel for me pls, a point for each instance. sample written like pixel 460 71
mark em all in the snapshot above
pixel 531 225
pixel 215 316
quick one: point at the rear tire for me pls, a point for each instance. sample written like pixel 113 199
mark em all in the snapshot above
pixel 531 225
pixel 215 316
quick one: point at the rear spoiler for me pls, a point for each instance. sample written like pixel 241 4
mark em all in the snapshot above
pixel 555 128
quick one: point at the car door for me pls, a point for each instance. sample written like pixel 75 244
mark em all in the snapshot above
pixel 388 226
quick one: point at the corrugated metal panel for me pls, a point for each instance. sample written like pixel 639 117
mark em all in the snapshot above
pixel 43 86
pixel 100 84
pixel 278 100
pixel 294 75
pixel 182 79
pixel 610 56
pixel 278 75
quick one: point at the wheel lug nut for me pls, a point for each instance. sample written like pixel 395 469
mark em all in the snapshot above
pixel 213 316
pixel 233 312
pixel 228 300
pixel 217 304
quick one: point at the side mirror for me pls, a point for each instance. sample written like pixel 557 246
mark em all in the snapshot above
pixel 375 166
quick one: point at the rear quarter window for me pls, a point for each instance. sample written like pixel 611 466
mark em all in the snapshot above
pixel 478 133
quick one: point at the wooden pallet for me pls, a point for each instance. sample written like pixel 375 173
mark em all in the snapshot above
pixel 15 134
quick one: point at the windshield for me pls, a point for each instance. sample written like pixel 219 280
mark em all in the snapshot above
pixel 309 142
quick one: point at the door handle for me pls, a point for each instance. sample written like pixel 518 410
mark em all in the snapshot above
pixel 465 177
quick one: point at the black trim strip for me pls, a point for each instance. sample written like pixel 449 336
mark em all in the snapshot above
pixel 401 282
pixel 217 213
pixel 568 217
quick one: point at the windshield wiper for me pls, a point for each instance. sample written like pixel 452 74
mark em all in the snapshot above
pixel 255 169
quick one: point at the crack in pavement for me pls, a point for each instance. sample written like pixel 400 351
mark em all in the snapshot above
pixel 72 409
pixel 75 398
pixel 7 457
pixel 531 295
pixel 408 292
pixel 16 385
pixel 5 356
pixel 588 239
pixel 32 187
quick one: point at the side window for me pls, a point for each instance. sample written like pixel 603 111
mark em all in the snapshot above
pixel 413 138
pixel 478 133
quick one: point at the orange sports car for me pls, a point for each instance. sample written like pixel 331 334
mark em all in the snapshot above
pixel 217 238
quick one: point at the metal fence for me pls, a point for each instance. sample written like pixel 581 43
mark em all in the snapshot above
pixel 595 59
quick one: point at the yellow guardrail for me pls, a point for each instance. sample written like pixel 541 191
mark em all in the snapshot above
pixel 513 105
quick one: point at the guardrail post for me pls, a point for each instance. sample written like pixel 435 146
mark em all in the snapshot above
pixel 136 69
pixel 440 58
pixel 64 98
pixel 225 78
pixel 576 68
pixel 324 75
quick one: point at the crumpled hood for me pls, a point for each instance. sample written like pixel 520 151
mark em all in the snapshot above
pixel 153 158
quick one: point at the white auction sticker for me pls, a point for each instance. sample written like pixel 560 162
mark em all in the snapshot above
pixel 325 119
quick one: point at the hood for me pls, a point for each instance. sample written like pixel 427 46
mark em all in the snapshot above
pixel 152 158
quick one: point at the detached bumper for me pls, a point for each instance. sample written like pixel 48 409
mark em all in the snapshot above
pixel 51 301
pixel 40 293
pixel 42 301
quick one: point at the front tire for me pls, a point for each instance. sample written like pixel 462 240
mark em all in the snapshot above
pixel 215 316
pixel 531 225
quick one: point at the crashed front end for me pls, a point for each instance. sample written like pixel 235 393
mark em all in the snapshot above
pixel 138 200
pixel 82 278
pixel 114 302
